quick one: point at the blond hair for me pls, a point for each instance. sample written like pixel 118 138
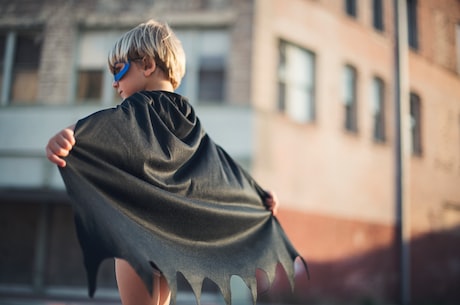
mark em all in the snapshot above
pixel 155 40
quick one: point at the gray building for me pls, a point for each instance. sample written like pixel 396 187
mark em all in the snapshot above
pixel 53 72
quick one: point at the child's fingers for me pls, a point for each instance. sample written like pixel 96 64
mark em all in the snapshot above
pixel 65 140
pixel 59 146
pixel 62 143
pixel 272 203
pixel 68 135
pixel 54 158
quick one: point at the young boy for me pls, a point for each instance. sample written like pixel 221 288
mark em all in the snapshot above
pixel 148 63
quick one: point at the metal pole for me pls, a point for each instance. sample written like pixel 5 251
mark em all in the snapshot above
pixel 8 68
pixel 402 147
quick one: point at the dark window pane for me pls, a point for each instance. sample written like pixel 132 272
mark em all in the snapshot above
pixel 282 77
pixel 379 110
pixel 281 96
pixel 351 122
pixel 378 15
pixel 25 69
pixel 211 79
pixel 412 23
pixel 416 128
pixel 89 85
pixel 211 86
pixel 351 8
pixel 28 50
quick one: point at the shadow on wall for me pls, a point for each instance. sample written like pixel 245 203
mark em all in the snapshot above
pixel 373 277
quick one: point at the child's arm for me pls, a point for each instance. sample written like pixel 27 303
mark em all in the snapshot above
pixel 60 145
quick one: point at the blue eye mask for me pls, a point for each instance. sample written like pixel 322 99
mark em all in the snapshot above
pixel 122 72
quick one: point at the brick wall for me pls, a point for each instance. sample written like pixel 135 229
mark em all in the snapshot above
pixel 337 189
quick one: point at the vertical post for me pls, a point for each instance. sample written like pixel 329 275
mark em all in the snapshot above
pixel 402 147
pixel 8 68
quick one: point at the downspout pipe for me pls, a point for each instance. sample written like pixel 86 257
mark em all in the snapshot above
pixel 402 147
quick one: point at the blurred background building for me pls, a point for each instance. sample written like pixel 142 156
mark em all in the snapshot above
pixel 304 93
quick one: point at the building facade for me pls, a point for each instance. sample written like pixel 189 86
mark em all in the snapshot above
pixel 302 92
pixel 327 137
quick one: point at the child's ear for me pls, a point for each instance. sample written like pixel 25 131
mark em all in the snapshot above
pixel 149 66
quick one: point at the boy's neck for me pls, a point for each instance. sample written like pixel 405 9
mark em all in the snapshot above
pixel 163 85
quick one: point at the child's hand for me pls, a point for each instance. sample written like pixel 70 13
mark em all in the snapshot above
pixel 60 145
pixel 271 202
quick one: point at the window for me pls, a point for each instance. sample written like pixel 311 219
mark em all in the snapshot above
pixel 416 128
pixel 19 63
pixel 207 54
pixel 93 79
pixel 377 15
pixel 212 66
pixel 351 8
pixel 350 98
pixel 412 23
pixel 89 85
pixel 296 82
pixel 378 109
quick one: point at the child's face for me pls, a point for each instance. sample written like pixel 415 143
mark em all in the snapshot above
pixel 128 78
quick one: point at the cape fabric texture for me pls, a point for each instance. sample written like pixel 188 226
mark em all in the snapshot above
pixel 148 185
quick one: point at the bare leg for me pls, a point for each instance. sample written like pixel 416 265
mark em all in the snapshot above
pixel 133 291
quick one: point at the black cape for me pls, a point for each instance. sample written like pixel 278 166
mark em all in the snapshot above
pixel 149 185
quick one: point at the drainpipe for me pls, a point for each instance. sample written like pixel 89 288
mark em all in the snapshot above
pixel 402 147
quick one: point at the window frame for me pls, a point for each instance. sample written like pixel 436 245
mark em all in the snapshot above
pixel 8 63
pixel 289 85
